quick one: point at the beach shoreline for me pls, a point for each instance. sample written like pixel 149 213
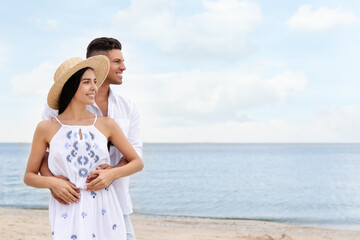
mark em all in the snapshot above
pixel 31 224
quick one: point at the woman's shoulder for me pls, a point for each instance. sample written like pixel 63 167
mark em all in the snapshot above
pixel 45 124
pixel 105 120
pixel 106 123
pixel 46 127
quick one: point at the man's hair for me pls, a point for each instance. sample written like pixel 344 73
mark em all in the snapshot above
pixel 103 44
pixel 69 89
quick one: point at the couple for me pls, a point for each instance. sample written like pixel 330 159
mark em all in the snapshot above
pixel 89 156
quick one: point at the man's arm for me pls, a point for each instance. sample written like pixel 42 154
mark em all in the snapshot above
pixel 44 168
pixel 106 177
pixel 133 138
pixel 134 132
pixel 47 114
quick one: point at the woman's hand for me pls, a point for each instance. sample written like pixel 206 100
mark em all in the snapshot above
pixel 64 190
pixel 103 179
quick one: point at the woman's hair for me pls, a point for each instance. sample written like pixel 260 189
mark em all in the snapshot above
pixel 100 45
pixel 69 89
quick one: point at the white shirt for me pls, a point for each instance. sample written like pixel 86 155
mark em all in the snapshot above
pixel 125 113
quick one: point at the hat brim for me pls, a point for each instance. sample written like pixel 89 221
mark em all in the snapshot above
pixel 100 64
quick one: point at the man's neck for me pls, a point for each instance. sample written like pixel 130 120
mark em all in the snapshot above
pixel 103 92
pixel 101 98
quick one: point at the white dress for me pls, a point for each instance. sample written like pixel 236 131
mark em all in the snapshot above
pixel 74 152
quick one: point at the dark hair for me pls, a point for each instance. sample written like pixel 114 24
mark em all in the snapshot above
pixel 69 89
pixel 103 44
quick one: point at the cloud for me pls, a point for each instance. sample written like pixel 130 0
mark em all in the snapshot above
pixel 340 124
pixel 35 83
pixel 332 125
pixel 306 19
pixel 195 97
pixel 218 31
pixel 20 126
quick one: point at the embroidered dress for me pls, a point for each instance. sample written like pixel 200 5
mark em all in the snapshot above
pixel 125 113
pixel 74 152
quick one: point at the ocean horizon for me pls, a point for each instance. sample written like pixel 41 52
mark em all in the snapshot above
pixel 313 184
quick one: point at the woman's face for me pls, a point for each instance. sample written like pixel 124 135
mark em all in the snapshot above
pixel 87 88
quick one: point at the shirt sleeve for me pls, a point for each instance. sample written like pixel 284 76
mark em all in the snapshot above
pixel 134 131
pixel 49 113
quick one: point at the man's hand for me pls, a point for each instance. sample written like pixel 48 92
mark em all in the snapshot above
pixel 63 190
pixel 103 178
pixel 92 176
pixel 122 162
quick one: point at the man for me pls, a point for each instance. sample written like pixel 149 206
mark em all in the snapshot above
pixel 123 111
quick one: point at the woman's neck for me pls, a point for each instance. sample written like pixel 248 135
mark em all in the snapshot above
pixel 76 113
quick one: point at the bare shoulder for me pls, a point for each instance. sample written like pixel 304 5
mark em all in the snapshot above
pixel 106 121
pixel 105 125
pixel 47 128
pixel 41 132
pixel 44 125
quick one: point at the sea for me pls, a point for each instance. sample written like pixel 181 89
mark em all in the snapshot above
pixel 302 184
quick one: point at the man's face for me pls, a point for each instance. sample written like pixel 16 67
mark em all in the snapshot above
pixel 117 66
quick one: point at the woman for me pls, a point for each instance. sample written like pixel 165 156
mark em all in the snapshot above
pixel 77 143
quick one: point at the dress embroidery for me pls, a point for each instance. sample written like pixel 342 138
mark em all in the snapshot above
pixel 74 156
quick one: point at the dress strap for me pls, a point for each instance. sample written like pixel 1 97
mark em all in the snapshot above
pixel 94 120
pixel 59 121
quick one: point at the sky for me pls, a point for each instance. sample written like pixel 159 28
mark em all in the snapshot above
pixel 198 70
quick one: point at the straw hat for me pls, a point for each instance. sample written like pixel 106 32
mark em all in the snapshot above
pixel 100 64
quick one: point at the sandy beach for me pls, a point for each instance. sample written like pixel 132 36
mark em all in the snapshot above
pixel 25 224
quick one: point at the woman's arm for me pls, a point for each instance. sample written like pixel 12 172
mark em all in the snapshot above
pixel 62 188
pixel 135 164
